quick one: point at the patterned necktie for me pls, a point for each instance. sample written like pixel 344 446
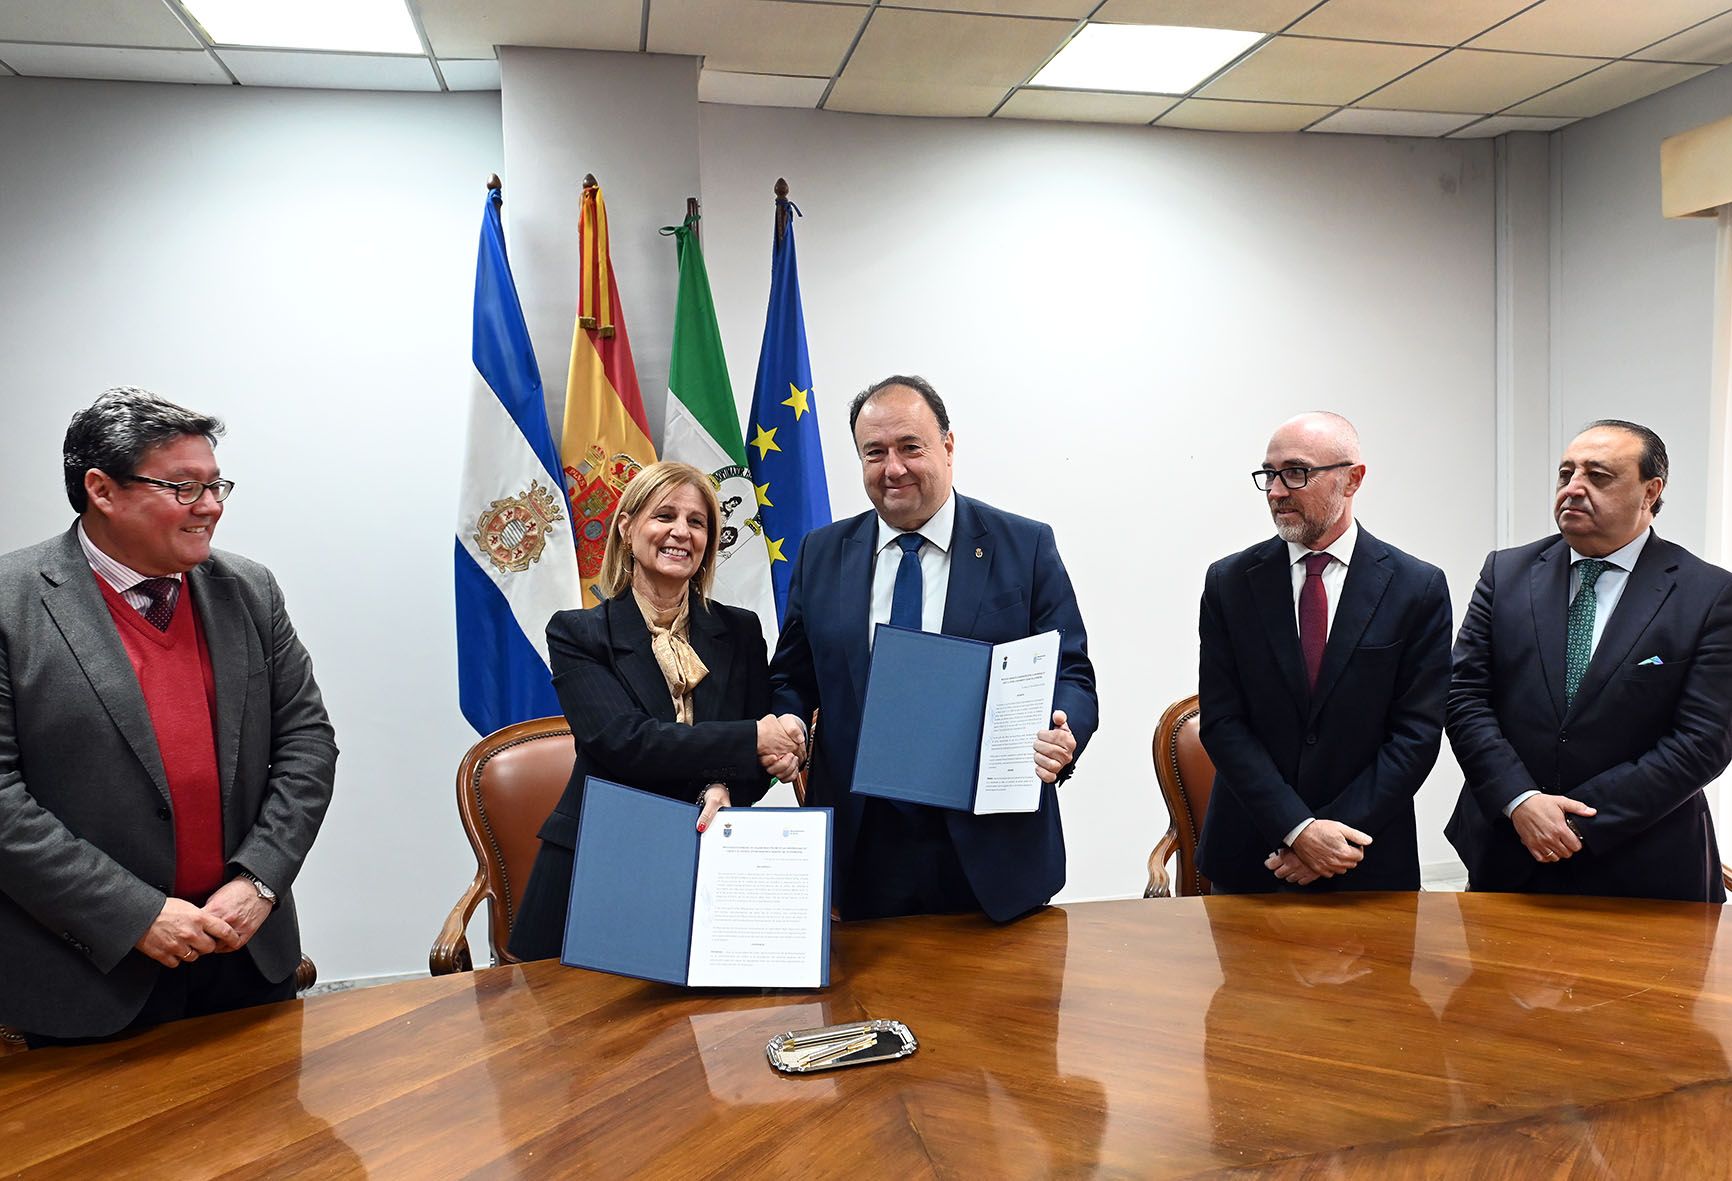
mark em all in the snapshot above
pixel 905 598
pixel 161 609
pixel 1313 616
pixel 1579 647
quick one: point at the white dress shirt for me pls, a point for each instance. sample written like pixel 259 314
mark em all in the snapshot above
pixel 1334 577
pixel 121 577
pixel 934 569
pixel 1608 589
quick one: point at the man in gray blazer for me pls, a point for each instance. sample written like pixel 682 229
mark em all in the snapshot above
pixel 165 757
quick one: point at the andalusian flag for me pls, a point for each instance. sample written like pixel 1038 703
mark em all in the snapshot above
pixel 606 438
pixel 703 429
pixel 787 458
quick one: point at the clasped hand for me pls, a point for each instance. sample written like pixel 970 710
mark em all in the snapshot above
pixel 1541 821
pixel 781 745
pixel 181 932
pixel 1323 849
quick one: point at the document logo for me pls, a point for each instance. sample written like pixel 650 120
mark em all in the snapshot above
pixel 727 830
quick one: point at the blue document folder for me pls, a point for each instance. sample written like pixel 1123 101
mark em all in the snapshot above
pixel 920 728
pixel 634 881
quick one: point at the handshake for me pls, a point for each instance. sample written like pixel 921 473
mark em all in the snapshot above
pixel 782 745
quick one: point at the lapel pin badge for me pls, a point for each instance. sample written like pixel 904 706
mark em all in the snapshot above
pixel 978 552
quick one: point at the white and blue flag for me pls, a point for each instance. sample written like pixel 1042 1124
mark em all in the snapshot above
pixel 516 557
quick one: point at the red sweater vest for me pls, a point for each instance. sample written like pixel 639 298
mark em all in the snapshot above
pixel 174 670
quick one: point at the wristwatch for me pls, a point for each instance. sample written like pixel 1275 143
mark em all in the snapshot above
pixel 265 892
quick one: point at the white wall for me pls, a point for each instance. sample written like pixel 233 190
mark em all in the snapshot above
pixel 301 263
pixel 1117 316
pixel 1117 319
pixel 1634 295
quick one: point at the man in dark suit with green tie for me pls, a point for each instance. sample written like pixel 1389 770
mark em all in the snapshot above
pixel 1592 694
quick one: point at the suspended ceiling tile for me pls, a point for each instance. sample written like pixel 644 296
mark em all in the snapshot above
pixel 939 99
pixel 1069 9
pixel 123 65
pixel 1477 82
pixel 1304 70
pixel 1499 124
pixel 759 90
pixel 1255 16
pixel 756 36
pixel 1361 121
pixel 471 73
pixel 1084 106
pixel 329 71
pixel 1597 28
pixel 1710 41
pixel 146 24
pixel 1611 86
pixel 1406 21
pixel 943 51
pixel 465 28
pixel 1208 114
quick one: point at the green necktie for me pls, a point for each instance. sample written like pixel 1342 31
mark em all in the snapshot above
pixel 1579 647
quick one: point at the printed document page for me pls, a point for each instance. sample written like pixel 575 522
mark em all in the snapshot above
pixel 762 909
pixel 1018 705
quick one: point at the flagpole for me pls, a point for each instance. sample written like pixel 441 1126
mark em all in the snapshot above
pixel 783 213
pixel 694 221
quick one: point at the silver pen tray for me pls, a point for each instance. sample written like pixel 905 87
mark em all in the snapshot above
pixel 802 1051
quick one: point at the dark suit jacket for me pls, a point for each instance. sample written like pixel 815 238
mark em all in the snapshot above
pixel 1354 751
pixel 86 827
pixel 1006 583
pixel 1639 742
pixel 622 722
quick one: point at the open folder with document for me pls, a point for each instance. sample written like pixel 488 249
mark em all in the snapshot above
pixel 744 904
pixel 950 721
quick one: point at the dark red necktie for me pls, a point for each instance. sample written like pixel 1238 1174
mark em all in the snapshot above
pixel 161 609
pixel 1313 616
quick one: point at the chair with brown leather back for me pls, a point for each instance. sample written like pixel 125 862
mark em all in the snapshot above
pixel 1186 775
pixel 506 786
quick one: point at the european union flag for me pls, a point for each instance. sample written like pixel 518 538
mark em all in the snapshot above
pixel 782 443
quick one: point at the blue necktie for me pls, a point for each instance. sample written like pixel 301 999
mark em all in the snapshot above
pixel 905 599
pixel 1579 634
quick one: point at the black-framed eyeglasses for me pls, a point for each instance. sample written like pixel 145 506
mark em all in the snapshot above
pixel 1293 477
pixel 189 491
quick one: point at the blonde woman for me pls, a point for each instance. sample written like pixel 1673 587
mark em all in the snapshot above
pixel 665 690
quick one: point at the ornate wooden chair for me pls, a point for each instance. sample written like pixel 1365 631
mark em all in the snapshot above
pixel 506 786
pixel 1186 776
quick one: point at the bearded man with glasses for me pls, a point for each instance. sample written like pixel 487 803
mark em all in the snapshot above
pixel 165 757
pixel 1324 670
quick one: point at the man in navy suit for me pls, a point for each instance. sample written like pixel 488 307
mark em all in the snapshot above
pixel 1592 696
pixel 1325 662
pixel 929 559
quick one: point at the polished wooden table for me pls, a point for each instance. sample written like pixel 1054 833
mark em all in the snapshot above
pixel 1385 1036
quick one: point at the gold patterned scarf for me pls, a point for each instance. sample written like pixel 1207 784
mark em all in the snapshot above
pixel 681 667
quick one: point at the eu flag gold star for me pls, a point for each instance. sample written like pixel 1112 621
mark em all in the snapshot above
pixel 775 545
pixel 797 399
pixel 765 441
pixel 764 495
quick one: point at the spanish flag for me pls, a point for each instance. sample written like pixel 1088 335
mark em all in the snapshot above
pixel 606 437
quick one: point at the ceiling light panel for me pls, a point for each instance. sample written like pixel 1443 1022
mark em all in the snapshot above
pixel 1143 59
pixel 353 26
